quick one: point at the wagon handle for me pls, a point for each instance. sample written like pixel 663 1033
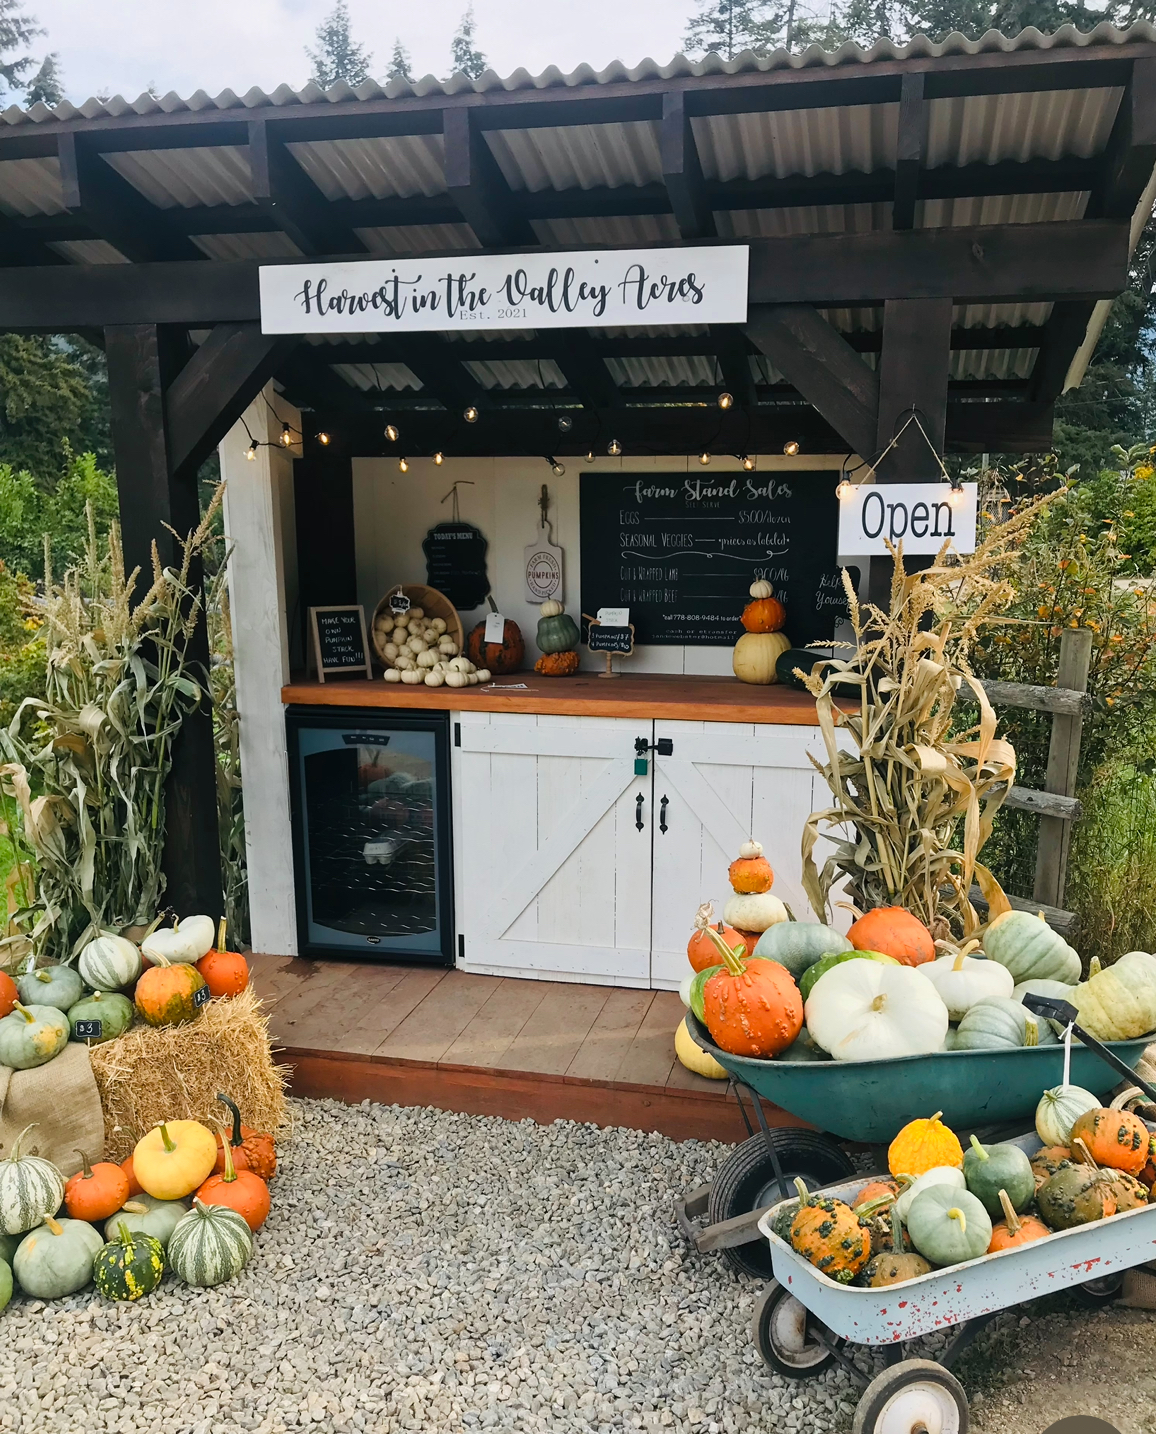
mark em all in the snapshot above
pixel 1065 1012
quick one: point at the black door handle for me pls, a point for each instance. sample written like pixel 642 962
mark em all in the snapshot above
pixel 638 801
pixel 662 814
pixel 664 746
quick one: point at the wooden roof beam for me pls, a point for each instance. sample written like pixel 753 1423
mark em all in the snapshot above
pixel 584 369
pixel 682 171
pixel 114 209
pixel 732 349
pixel 477 186
pixel 292 201
pixel 441 375
pixel 911 145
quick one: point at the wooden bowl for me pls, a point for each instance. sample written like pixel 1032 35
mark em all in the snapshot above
pixel 431 602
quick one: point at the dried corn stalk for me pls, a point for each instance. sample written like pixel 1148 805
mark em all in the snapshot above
pixel 914 799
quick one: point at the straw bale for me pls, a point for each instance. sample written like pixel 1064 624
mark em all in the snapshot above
pixel 174 1073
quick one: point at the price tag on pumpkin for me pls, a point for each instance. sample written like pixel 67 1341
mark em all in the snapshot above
pixel 399 603
pixel 89 1030
pixel 614 616
pixel 495 627
pixel 202 997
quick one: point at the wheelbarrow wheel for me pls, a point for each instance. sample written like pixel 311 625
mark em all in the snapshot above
pixel 780 1328
pixel 1098 1293
pixel 916 1396
pixel 746 1181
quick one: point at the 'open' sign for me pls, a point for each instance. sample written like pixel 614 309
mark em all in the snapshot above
pixel 921 516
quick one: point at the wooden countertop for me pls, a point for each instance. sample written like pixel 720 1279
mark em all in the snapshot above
pixel 686 699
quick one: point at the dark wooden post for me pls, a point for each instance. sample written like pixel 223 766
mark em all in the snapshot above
pixel 143 359
pixel 913 372
pixel 1063 768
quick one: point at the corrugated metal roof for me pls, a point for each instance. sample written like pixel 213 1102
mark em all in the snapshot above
pixel 418 238
pixel 217 174
pixel 371 376
pixel 517 373
pixel 31 186
pixel 375 168
pixel 247 246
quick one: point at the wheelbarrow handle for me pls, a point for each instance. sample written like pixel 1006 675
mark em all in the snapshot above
pixel 1066 1013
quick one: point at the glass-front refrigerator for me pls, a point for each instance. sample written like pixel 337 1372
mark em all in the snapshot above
pixel 371 834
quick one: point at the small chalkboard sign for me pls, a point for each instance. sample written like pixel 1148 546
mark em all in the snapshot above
pixel 339 641
pixel 609 638
pixel 455 563
pixel 90 1030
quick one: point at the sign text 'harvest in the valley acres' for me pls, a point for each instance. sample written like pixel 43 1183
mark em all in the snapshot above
pixel 584 289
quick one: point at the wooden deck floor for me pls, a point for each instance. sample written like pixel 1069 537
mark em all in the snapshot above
pixel 489 1045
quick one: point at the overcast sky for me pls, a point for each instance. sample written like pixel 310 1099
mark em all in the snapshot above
pixel 123 46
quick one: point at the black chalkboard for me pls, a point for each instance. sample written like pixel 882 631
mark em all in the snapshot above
pixel 455 563
pixel 339 643
pixel 681 550
pixel 610 639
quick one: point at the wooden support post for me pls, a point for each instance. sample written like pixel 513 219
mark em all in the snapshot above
pixel 1063 768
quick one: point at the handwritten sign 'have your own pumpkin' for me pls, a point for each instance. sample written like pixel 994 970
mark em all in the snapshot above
pixel 339 641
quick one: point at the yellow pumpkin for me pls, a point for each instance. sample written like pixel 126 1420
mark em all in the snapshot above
pixel 924 1145
pixel 174 1159
pixel 693 1057
pixel 755 655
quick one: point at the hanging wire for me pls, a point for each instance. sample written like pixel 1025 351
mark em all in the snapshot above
pixel 453 493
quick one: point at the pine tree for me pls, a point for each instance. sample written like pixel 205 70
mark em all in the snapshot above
pixel 337 56
pixel 465 57
pixel 728 27
pixel 47 85
pixel 16 30
pixel 399 63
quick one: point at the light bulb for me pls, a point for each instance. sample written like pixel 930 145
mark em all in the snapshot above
pixel 439 459
pixel 791 447
pixel 956 496
pixel 726 400
pixel 323 439
pixel 558 469
pixel 704 459
pixel 391 432
pixel 614 448
pixel 286 436
pixel 403 464
pixel 565 423
pixel 251 451
pixel 748 463
pixel 590 456
pixel 845 489
pixel 471 414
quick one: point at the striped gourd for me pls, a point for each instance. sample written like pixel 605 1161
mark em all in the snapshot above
pixel 109 963
pixel 210 1245
pixel 30 1189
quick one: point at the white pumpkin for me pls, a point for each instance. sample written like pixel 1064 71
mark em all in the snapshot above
pixel 1119 1003
pixel 484 674
pixel 392 675
pixel 454 678
pixel 754 911
pixel 1059 1109
pixel 185 941
pixel 868 1011
pixel 109 963
pixel 962 980
pixel 937 1175
pixel 413 675
pixel 434 679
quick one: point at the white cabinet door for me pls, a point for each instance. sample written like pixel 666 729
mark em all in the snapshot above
pixel 725 782
pixel 553 876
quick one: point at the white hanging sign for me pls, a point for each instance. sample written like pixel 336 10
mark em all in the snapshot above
pixel 923 516
pixel 594 288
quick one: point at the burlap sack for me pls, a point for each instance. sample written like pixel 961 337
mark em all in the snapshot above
pixel 62 1100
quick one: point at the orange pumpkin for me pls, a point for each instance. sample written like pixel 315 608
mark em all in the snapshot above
pixel 9 995
pixel 134 1185
pixel 1147 1175
pixel 168 994
pixel 764 613
pixel 252 1149
pixel 240 1190
pixel 750 1007
pixel 1047 1160
pixel 1116 1138
pixel 557 664
pixel 226 973
pixel 750 873
pixel 498 657
pixel 96 1191
pixel 895 932
pixel 1015 1229
pixel 701 951
pixel 830 1235
pixel 924 1145
pixel 876 1190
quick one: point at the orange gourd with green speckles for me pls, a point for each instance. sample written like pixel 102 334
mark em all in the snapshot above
pixel 1112 1137
pixel 830 1235
pixel 751 1007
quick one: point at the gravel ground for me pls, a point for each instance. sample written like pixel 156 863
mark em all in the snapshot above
pixel 434 1272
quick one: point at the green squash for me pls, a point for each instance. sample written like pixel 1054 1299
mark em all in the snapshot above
pixel 112 1013
pixel 210 1245
pixel 812 974
pixel 999 1023
pixel 129 1266
pixel 948 1226
pixel 691 989
pixel 5 1283
pixel 1030 949
pixel 58 986
pixel 31 1035
pixel 1074 1195
pixel 56 1258
pixel 146 1215
pixel 799 944
pixel 30 1189
pixel 988 1169
pixel 950 1039
pixel 557 630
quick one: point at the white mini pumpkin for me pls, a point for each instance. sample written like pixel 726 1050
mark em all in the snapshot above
pixel 392 675
pixel 108 963
pixel 868 1011
pixel 962 980
pixel 1059 1109
pixel 416 614
pixel 185 941
pixel 754 911
pixel 413 675
pixel 454 678
pixel 484 674
pixel 434 679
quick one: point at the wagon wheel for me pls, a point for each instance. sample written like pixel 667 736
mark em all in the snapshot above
pixel 1098 1293
pixel 746 1181
pixel 916 1396
pixel 780 1328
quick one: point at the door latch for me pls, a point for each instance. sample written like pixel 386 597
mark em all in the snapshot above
pixel 664 746
pixel 638 801
pixel 662 806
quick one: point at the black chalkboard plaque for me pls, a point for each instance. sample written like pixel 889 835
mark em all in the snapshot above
pixel 610 639
pixel 681 550
pixel 339 641
pixel 455 563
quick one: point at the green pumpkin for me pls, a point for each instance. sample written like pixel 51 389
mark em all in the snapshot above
pixel 691 989
pixel 113 1013
pixel 797 945
pixel 146 1215
pixel 129 1266
pixel 58 986
pixel 210 1245
pixel 557 630
pixel 812 974
pixel 5 1283
pixel 950 1039
pixel 56 1258
pixel 1000 1023
pixel 948 1226
pixel 1030 949
pixel 31 1035
pixel 1074 1195
pixel 30 1188
pixel 988 1169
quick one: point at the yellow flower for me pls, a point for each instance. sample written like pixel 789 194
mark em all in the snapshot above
pixel 1144 471
pixel 1116 637
pixel 1042 611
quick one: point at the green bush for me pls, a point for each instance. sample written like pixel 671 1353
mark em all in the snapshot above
pixel 29 510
